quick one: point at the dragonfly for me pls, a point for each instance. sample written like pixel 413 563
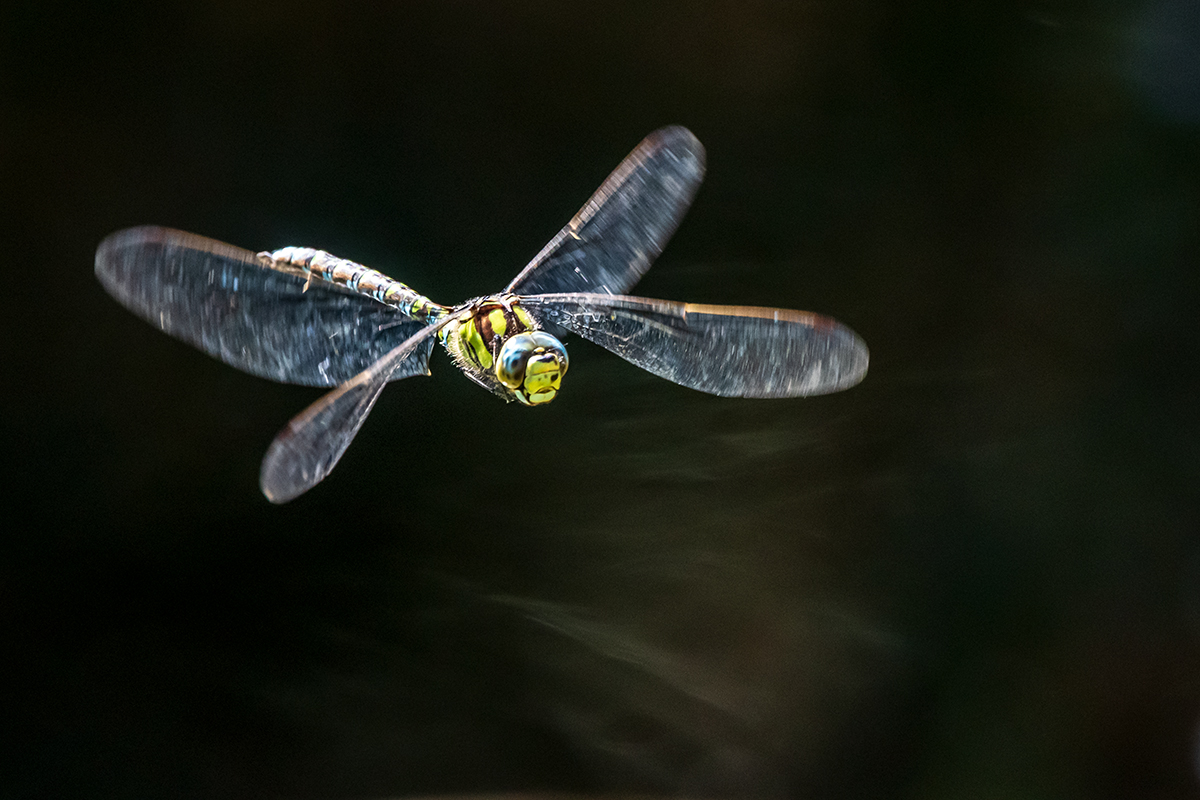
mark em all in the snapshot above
pixel 302 316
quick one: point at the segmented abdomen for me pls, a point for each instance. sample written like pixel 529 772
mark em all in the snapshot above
pixel 317 264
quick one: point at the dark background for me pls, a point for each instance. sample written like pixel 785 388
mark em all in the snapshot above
pixel 977 574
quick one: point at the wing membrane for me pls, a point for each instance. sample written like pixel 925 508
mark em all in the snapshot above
pixel 312 443
pixel 616 236
pixel 732 351
pixel 220 299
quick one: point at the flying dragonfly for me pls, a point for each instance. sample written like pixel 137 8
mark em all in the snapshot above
pixel 300 315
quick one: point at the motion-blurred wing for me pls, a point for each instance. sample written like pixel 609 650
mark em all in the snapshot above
pixel 222 300
pixel 733 351
pixel 615 238
pixel 309 447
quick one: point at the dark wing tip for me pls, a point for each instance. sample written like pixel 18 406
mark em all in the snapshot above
pixel 854 358
pixel 274 493
pixel 109 249
pixel 116 256
pixel 277 477
pixel 679 141
pixel 141 234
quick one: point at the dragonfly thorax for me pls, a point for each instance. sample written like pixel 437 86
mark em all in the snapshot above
pixel 498 344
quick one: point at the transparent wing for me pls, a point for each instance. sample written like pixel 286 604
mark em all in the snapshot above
pixel 616 236
pixel 309 447
pixel 733 351
pixel 220 299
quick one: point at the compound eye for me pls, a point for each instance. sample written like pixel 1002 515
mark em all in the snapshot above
pixel 514 354
pixel 532 365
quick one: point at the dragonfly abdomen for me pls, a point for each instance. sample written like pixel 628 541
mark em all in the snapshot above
pixel 321 265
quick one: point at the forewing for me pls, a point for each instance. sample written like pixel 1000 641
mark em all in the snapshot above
pixel 222 300
pixel 309 447
pixel 733 351
pixel 616 236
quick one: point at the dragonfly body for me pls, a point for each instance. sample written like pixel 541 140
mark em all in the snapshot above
pixel 490 338
pixel 500 346
pixel 301 315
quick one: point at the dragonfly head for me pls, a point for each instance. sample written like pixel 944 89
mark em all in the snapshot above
pixel 532 364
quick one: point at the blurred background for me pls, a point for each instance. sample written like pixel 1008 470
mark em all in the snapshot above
pixel 977 574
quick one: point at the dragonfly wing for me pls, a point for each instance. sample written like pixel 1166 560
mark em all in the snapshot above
pixel 616 236
pixel 222 300
pixel 312 443
pixel 733 351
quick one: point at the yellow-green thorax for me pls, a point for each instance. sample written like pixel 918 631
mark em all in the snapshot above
pixel 498 344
